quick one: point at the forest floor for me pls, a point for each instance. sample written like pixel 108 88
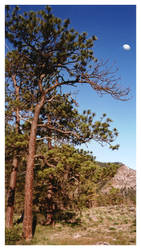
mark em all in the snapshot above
pixel 109 225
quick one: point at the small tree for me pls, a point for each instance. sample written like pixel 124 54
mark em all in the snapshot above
pixel 16 141
pixel 53 55
pixel 76 177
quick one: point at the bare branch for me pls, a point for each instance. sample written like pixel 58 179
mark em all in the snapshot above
pixel 24 119
pixel 104 81
pixel 42 138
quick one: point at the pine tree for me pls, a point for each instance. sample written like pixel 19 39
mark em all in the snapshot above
pixel 60 122
pixel 13 133
pixel 49 48
pixel 76 179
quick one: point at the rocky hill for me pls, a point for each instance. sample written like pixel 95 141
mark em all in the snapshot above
pixel 124 179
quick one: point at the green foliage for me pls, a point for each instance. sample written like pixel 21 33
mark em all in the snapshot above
pixel 76 178
pixel 15 141
pixel 62 121
pixel 51 41
pixel 114 197
pixel 12 236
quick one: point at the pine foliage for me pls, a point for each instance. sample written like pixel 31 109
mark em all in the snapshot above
pixel 75 175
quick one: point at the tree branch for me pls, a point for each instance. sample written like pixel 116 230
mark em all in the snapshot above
pixel 45 160
pixel 65 132
pixel 42 138
pixel 24 119
pixel 40 82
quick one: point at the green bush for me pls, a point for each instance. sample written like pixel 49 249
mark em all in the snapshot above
pixel 12 236
pixel 114 197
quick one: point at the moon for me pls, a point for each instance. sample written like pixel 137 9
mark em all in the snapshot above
pixel 126 46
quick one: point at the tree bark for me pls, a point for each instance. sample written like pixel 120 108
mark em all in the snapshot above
pixel 11 195
pixel 12 186
pixel 49 143
pixel 50 203
pixel 27 223
pixel 50 134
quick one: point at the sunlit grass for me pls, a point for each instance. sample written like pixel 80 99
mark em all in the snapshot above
pixel 97 227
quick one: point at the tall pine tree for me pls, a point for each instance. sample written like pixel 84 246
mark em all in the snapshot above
pixel 53 55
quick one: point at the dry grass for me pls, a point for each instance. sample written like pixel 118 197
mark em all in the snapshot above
pixel 112 225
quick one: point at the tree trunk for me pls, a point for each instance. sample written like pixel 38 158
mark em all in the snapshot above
pixel 49 215
pixel 49 134
pixel 50 203
pixel 27 223
pixel 12 186
pixel 11 195
pixel 49 144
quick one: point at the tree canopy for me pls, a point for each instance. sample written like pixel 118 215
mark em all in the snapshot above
pixel 57 54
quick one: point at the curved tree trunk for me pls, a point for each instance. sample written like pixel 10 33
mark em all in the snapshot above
pixel 27 223
pixel 12 186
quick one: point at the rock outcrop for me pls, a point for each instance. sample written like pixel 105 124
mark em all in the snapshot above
pixel 124 179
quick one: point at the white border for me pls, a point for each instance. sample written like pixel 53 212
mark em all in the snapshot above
pixel 2 124
pixel 72 2
pixel 2 136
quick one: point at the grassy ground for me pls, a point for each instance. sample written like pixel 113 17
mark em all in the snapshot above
pixel 112 225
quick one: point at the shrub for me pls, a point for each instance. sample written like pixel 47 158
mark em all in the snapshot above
pixel 12 236
pixel 114 197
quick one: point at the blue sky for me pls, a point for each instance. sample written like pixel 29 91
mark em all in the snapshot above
pixel 114 25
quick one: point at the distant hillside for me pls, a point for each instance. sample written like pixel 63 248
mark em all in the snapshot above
pixel 117 185
pixel 124 179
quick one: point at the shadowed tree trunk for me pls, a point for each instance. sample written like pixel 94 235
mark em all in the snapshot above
pixel 49 143
pixel 11 194
pixel 50 205
pixel 12 186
